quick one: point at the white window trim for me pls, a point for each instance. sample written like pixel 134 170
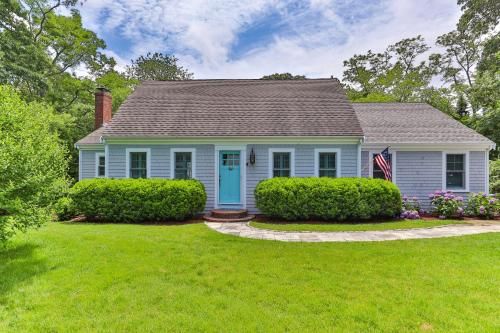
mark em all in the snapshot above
pixel 487 172
pixel 138 150
pixel 183 150
pixel 338 160
pixel 80 171
pixel 97 156
pixel 281 150
pixel 372 153
pixel 243 173
pixel 455 152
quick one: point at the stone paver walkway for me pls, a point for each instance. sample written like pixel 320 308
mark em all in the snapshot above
pixel 245 230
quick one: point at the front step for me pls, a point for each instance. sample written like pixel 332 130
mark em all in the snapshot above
pixel 223 215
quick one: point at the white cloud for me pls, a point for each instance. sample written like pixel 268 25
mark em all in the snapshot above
pixel 316 41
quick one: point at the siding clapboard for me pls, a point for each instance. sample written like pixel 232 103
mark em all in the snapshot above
pixel 88 163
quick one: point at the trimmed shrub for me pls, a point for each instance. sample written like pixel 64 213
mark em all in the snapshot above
pixel 138 200
pixel 64 209
pixel 446 204
pixel 483 205
pixel 328 198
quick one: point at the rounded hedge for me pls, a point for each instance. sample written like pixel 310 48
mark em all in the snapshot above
pixel 328 198
pixel 138 200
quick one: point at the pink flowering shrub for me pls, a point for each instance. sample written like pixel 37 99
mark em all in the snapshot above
pixel 483 205
pixel 411 208
pixel 447 204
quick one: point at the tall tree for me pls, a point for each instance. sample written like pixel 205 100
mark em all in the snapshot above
pixel 32 163
pixel 40 51
pixel 157 66
pixel 395 73
pixel 484 15
pixel 283 76
pixel 457 63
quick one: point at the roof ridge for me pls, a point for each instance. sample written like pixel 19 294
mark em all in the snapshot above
pixel 240 80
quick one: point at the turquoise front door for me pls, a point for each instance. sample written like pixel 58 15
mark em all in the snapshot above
pixel 229 177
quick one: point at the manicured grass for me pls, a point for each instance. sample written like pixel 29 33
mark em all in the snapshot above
pixel 403 224
pixel 132 278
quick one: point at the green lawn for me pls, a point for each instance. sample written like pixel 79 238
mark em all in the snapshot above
pixel 133 278
pixel 403 224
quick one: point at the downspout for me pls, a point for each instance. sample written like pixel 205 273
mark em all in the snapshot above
pixel 359 156
pixel 106 157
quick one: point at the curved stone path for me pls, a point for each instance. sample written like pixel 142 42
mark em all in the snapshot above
pixel 243 229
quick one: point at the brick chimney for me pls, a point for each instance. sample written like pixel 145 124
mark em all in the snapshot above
pixel 103 107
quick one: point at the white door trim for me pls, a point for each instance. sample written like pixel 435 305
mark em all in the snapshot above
pixel 243 172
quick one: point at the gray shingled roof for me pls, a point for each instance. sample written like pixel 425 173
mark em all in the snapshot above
pixel 93 138
pixel 412 123
pixel 226 108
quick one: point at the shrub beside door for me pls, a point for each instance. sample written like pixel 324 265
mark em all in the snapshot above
pixel 328 198
pixel 138 200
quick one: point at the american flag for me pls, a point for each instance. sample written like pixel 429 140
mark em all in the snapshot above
pixel 383 160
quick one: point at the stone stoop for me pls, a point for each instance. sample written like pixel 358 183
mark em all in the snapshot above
pixel 225 215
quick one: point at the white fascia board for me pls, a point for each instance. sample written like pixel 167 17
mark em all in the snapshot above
pixel 426 146
pixel 98 146
pixel 237 140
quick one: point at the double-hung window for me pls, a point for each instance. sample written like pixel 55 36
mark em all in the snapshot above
pixel 327 162
pixel 456 171
pixel 138 163
pixel 100 167
pixel 183 163
pixel 281 162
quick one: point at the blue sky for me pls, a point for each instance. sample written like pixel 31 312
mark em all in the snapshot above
pixel 248 39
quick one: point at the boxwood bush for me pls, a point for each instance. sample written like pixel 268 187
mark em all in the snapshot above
pixel 328 198
pixel 138 200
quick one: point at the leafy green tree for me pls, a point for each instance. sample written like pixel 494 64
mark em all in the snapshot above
pixel 457 63
pixel 495 176
pixel 395 73
pixel 119 84
pixel 157 66
pixel 484 15
pixel 283 76
pixel 32 163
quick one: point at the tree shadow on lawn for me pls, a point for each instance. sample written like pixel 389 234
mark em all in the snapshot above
pixel 18 265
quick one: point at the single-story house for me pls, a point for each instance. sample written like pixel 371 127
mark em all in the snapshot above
pixel 231 134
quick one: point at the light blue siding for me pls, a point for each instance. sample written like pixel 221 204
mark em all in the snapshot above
pixel 477 171
pixel 160 164
pixel 205 164
pixel 419 173
pixel 365 164
pixel 304 164
pixel 87 164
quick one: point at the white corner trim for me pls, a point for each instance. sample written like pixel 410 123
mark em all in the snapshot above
pixel 96 170
pixel 338 160
pixel 80 154
pixel 138 150
pixel 106 161
pixel 281 150
pixel 358 173
pixel 393 153
pixel 243 172
pixel 443 176
pixel 182 150
pixel 487 172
